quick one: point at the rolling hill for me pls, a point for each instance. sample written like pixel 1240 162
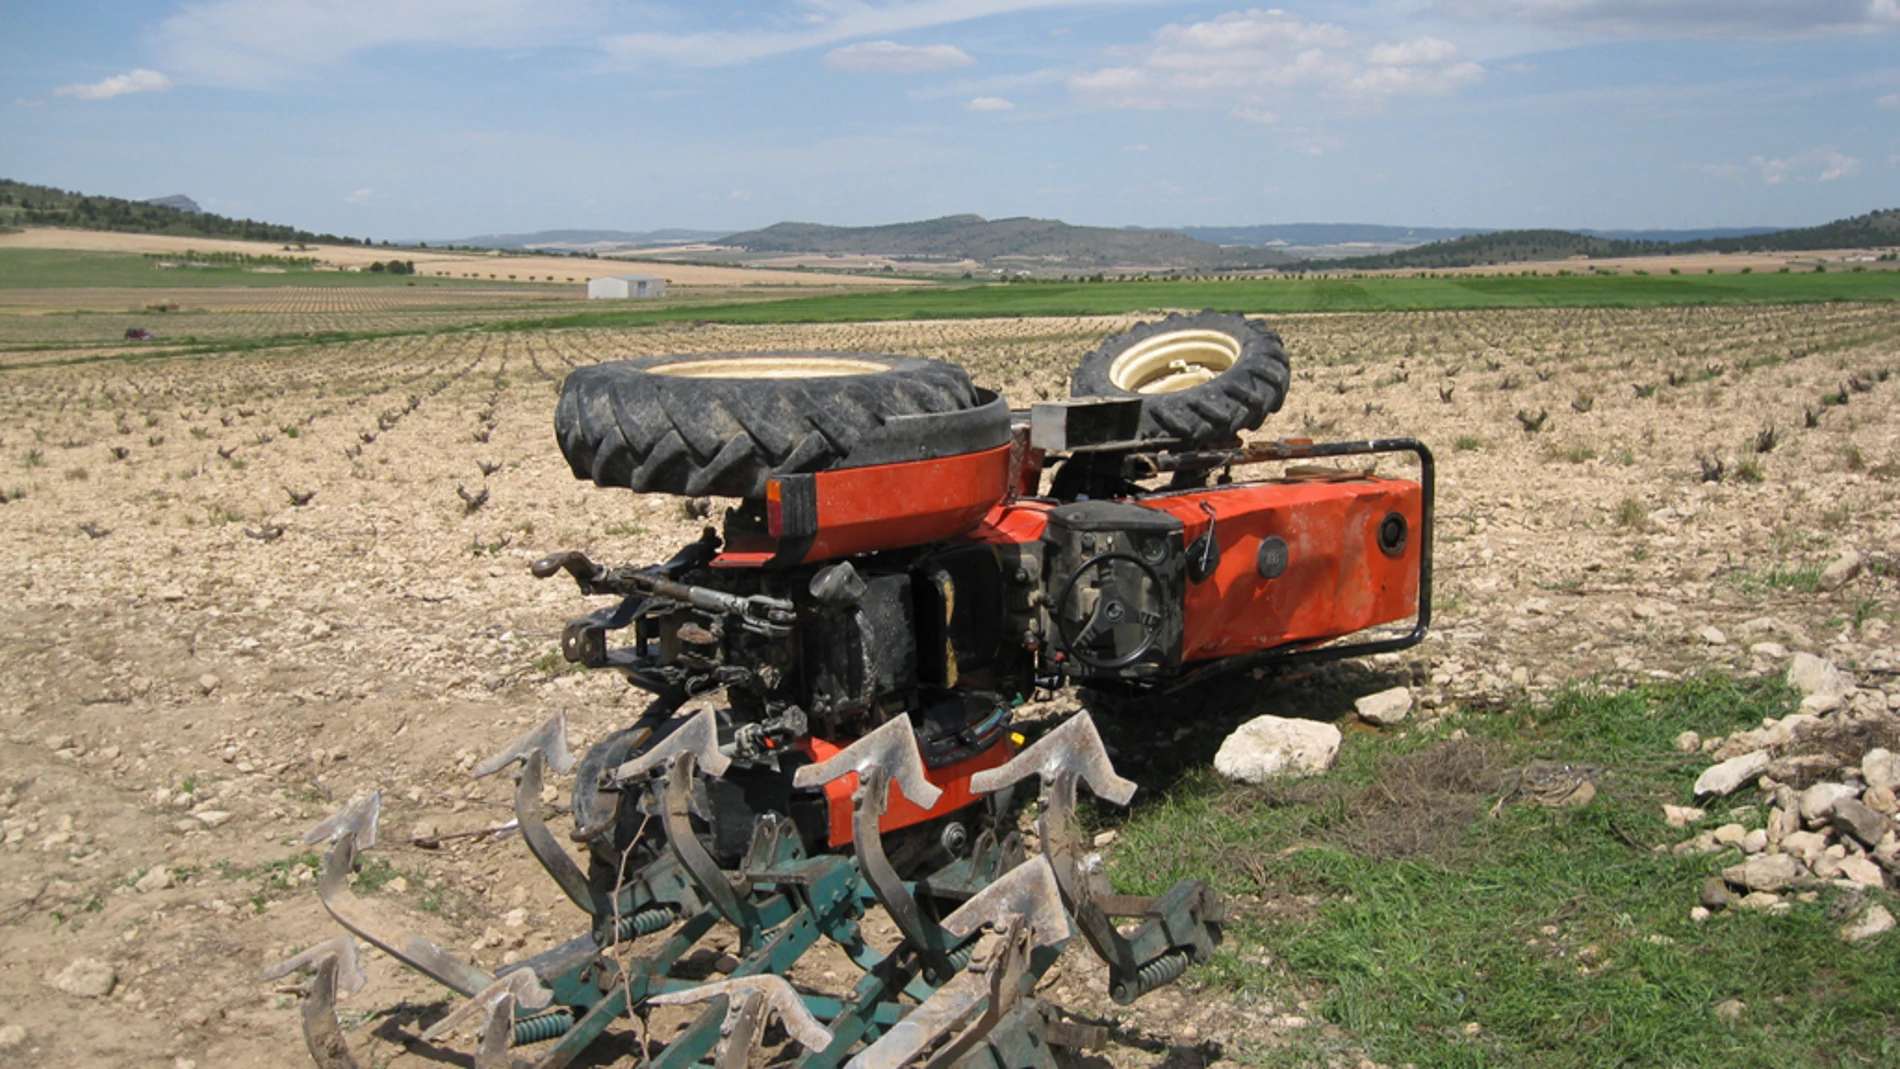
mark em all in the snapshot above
pixel 1019 241
pixel 22 204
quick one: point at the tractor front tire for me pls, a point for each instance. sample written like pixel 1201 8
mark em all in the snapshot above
pixel 721 424
pixel 1202 379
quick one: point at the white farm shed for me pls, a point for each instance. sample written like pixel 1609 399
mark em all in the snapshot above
pixel 624 286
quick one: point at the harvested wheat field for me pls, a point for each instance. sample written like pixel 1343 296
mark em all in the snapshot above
pixel 199 667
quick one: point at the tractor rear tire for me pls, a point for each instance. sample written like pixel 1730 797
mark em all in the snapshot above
pixel 722 424
pixel 1202 379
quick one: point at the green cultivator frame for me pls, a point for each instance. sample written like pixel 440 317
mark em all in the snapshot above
pixel 958 990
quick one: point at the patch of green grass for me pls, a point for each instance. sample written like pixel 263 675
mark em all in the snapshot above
pixel 1632 513
pixel 1467 442
pixel 1798 578
pixel 1538 938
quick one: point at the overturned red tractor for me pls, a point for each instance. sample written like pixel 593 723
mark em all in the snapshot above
pixel 909 561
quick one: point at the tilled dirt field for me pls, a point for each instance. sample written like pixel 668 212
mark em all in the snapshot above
pixel 199 669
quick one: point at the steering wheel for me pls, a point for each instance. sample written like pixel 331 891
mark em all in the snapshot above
pixel 1113 613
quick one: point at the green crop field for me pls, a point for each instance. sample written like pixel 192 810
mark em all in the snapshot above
pixel 1392 294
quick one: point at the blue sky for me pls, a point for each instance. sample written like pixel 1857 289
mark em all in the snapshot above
pixel 443 118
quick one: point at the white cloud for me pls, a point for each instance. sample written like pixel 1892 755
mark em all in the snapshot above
pixel 266 42
pixel 816 23
pixel 138 81
pixel 1891 100
pixel 1816 165
pixel 989 104
pixel 1686 18
pixel 889 57
pixel 361 196
pixel 1256 64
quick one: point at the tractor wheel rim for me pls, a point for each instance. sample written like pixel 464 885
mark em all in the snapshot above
pixel 1175 361
pixel 787 366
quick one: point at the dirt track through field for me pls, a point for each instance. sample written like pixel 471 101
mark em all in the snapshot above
pixel 198 669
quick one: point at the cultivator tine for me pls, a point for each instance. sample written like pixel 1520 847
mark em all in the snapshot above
pixel 880 758
pixel 333 886
pixel 498 1034
pixel 549 737
pixel 1178 928
pixel 1024 910
pixel 349 971
pixel 699 736
pixel 769 991
pixel 541 842
pixel 517 987
pixel 360 816
pixel 714 884
pixel 893 748
pixel 334 970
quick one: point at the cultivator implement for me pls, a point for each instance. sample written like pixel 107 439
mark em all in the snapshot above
pixel 975 936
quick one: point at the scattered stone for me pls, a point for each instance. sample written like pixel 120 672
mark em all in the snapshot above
pixel 212 818
pixel 423 830
pixel 1106 838
pixel 12 1037
pixel 1764 900
pixel 1688 742
pixel 1818 801
pixel 1875 921
pixel 1859 869
pixel 1681 816
pixel 1882 800
pixel 1863 822
pixel 1699 914
pixel 1755 841
pixel 1386 708
pixel 1765 872
pixel 1270 746
pixel 1787 728
pixel 1880 768
pixel 1806 845
pixel 1713 636
pixel 1820 704
pixel 398 885
pixel 1730 1010
pixel 1729 776
pixel 1816 675
pixel 1773 651
pixel 208 683
pixel 1842 571
pixel 1714 892
pixel 1731 834
pixel 158 879
pixel 86 978
pixel 515 918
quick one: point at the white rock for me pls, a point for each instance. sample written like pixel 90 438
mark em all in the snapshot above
pixel 209 682
pixel 1385 708
pixel 1773 651
pixel 1806 845
pixel 1765 872
pixel 1732 774
pixel 1699 914
pixel 1681 816
pixel 1269 746
pixel 1880 768
pixel 1842 571
pixel 211 818
pixel 1730 834
pixel 12 1037
pixel 1688 742
pixel 1817 802
pixel 157 879
pixel 86 978
pixel 1820 704
pixel 1873 922
pixel 1816 675
pixel 1787 728
pixel 1755 841
pixel 515 918
pixel 1862 870
pixel 1713 636
pixel 1882 800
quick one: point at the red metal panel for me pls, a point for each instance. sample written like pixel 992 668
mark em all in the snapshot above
pixel 1337 580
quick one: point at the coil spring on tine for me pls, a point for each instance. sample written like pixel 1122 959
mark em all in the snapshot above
pixel 546 1026
pixel 645 922
pixel 1165 969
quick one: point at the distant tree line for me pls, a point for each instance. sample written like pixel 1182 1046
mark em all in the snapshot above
pixel 394 267
pixel 30 205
